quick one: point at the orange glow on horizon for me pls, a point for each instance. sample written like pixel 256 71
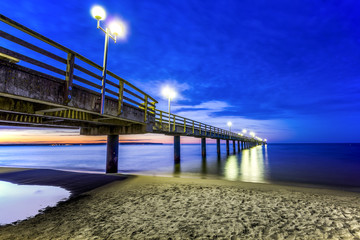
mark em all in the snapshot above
pixel 66 136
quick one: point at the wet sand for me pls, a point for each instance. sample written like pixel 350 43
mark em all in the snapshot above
pixel 144 207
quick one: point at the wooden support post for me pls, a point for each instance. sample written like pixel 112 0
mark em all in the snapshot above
pixel 238 142
pixel 200 128
pixel 177 149
pixel 112 153
pixel 193 130
pixel 203 147
pixel 227 147
pixel 218 147
pixel 69 77
pixel 234 149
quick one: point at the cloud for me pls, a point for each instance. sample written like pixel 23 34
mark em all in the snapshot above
pixel 214 113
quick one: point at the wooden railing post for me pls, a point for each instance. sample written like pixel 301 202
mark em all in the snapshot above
pixel 193 130
pixel 145 108
pixel 120 98
pixel 161 126
pixel 184 125
pixel 174 123
pixel 200 128
pixel 69 77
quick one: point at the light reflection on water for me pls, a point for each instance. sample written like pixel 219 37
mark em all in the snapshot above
pixel 247 166
pixel 18 202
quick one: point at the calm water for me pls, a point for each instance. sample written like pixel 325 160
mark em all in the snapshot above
pixel 18 202
pixel 332 165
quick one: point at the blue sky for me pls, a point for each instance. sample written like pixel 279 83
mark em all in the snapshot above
pixel 288 70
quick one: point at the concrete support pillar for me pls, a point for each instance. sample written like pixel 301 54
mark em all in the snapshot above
pixel 203 147
pixel 234 149
pixel 218 147
pixel 112 153
pixel 177 149
pixel 227 147
pixel 238 146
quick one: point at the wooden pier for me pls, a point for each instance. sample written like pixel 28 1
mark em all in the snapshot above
pixel 62 89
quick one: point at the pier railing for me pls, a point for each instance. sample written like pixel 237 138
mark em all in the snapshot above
pixel 175 124
pixel 70 67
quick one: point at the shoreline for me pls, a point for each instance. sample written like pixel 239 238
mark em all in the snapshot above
pixel 141 207
pixel 348 188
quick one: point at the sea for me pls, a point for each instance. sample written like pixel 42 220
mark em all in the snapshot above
pixel 320 165
pixel 324 165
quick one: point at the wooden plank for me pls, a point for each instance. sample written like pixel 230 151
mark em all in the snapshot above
pixel 111 92
pixel 80 79
pixel 112 83
pixel 31 60
pixel 49 110
pixel 88 72
pixel 31 46
pixel 132 101
pixel 9 58
pixel 135 95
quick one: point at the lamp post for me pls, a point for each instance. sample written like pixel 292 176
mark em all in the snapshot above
pixel 229 124
pixel 169 93
pixel 115 29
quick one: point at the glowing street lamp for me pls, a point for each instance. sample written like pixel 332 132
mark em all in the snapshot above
pixel 244 131
pixel 229 125
pixel 252 134
pixel 169 93
pixel 115 29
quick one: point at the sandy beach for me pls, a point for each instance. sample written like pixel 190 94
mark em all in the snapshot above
pixel 144 207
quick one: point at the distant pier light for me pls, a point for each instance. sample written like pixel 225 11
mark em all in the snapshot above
pixel 244 131
pixel 229 125
pixel 168 93
pixel 252 134
pixel 116 29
